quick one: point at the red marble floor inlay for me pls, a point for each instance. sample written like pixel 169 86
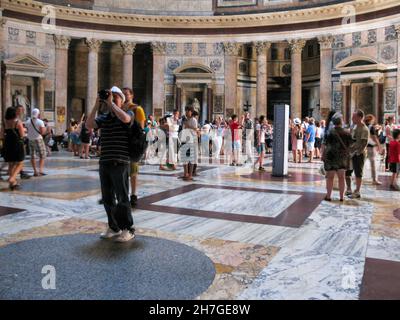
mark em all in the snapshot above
pixel 292 177
pixel 293 216
pixel 381 280
pixel 173 173
pixel 396 213
pixel 7 210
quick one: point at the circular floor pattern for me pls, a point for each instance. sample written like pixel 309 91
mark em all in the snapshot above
pixel 62 184
pixel 89 268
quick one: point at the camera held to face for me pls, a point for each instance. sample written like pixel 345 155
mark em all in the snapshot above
pixel 104 94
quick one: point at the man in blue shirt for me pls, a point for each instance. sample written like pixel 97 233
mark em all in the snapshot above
pixel 310 138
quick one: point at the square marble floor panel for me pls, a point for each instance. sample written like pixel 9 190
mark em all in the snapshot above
pixel 232 201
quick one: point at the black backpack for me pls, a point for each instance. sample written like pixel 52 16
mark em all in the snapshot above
pixel 137 142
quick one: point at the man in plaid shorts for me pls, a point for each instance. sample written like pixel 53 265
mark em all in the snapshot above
pixel 36 130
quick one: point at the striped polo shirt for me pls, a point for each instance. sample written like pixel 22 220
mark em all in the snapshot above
pixel 114 139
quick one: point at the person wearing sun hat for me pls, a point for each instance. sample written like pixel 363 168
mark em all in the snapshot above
pixel 297 140
pixel 114 165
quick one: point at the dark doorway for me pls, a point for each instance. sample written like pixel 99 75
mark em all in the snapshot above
pixel 276 96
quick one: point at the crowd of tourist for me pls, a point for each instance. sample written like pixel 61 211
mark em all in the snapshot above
pixel 176 139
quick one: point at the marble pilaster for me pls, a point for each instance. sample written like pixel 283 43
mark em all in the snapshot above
pixel 325 43
pixel 93 62
pixel 346 91
pixel 296 48
pixel 378 98
pixel 262 77
pixel 127 70
pixel 159 50
pixel 61 81
pixel 7 90
pixel 231 54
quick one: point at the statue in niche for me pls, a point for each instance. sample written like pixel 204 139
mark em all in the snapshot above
pixel 20 100
pixel 196 105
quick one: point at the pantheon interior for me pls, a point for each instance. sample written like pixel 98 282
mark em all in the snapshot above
pixel 238 234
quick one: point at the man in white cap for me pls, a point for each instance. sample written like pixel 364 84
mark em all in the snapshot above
pixel 114 165
pixel 36 129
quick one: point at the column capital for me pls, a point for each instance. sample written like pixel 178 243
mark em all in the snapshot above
pixel 231 48
pixel 62 42
pixel 159 48
pixel 345 82
pixel 128 47
pixel 261 46
pixel 397 28
pixel 378 79
pixel 325 41
pixel 93 44
pixel 296 45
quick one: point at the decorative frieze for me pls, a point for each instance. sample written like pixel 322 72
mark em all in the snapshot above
pixel 62 42
pixel 31 37
pixel 390 99
pixel 173 64
pixel 231 48
pixel 218 104
pixel 172 48
pixel 13 34
pixel 202 49
pixel 337 100
pixel 338 41
pixel 296 45
pixel 93 44
pixel 159 48
pixel 388 53
pixel 128 47
pixel 218 48
pixel 340 55
pixel 45 57
pixel 215 64
pixel 372 36
pixel 187 49
pixel 390 33
pixel 356 39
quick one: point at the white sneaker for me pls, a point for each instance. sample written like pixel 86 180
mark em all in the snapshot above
pixel 125 236
pixel 110 233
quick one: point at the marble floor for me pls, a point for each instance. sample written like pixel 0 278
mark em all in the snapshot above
pixel 268 238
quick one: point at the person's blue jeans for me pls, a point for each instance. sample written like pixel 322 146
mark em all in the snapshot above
pixel 114 179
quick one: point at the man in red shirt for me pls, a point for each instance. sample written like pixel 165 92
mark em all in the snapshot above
pixel 394 159
pixel 236 140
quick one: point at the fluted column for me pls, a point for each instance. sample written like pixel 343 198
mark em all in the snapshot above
pixel 296 47
pixel 159 50
pixel 127 71
pixel 398 70
pixel 325 83
pixel 7 91
pixel 93 77
pixel 262 77
pixel 346 101
pixel 231 54
pixel 61 69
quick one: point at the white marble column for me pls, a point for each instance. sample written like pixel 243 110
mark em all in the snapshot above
pixel 231 54
pixel 40 94
pixel 325 82
pixel 159 50
pixel 61 69
pixel 296 47
pixel 7 90
pixel 127 71
pixel 93 77
pixel 262 77
pixel 398 71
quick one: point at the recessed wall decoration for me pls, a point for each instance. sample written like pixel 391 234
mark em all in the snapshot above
pixel 13 34
pixel 187 49
pixel 337 100
pixel 371 36
pixel 202 49
pixel 356 39
pixel 171 48
pixel 215 64
pixel 218 48
pixel 31 37
pixel 173 64
pixel 390 33
pixel 388 53
pixel 390 99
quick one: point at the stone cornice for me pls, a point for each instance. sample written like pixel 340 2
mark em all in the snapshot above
pixel 325 12
pixel 62 42
pixel 128 47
